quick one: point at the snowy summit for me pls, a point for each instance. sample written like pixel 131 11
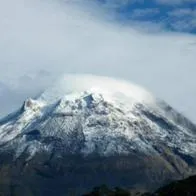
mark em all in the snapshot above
pixel 91 123
pixel 95 112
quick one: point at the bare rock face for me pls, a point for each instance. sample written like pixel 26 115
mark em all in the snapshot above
pixel 85 131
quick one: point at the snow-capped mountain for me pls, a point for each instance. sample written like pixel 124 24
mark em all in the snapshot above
pixel 98 111
pixel 91 116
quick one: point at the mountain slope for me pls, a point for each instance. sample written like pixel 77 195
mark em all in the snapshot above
pixel 185 187
pixel 87 130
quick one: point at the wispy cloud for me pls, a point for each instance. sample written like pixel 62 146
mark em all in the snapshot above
pixel 182 12
pixel 183 19
pixel 184 25
pixel 143 13
pixel 177 15
pixel 174 2
pixel 117 3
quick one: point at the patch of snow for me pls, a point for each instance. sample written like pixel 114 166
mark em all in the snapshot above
pixel 98 113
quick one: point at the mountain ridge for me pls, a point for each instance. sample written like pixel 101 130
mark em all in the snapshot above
pixel 112 129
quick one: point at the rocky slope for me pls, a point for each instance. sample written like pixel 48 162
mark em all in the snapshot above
pixel 185 187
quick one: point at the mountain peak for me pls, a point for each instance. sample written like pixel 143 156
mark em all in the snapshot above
pixel 107 125
pixel 88 114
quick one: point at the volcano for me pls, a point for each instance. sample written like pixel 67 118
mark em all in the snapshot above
pixel 87 130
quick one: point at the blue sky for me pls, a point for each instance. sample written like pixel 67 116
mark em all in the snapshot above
pixel 174 15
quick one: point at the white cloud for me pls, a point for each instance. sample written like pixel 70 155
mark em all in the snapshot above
pixel 182 12
pixel 174 2
pixel 184 25
pixel 46 35
pixel 117 3
pixel 183 19
pixel 120 3
pixel 146 12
